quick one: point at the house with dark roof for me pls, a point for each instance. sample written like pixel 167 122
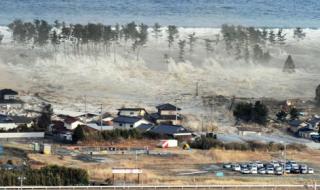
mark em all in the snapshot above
pixel 307 133
pixel 128 122
pixel 12 122
pixel 314 123
pixel 296 124
pixel 167 114
pixel 174 131
pixel 9 99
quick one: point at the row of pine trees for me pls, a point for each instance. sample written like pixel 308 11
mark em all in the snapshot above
pixel 246 43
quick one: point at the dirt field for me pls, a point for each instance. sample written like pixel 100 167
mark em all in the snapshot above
pixel 177 166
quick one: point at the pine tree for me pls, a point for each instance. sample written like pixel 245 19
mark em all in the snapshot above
pixel 272 37
pixel 182 44
pixel 299 34
pixel 208 44
pixel 157 30
pixel 172 34
pixel 281 37
pixel 191 40
pixel 289 66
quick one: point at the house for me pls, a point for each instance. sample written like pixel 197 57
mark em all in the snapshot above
pixel 126 122
pixel 167 114
pixel 12 122
pixel 306 133
pixel 9 99
pixel 99 127
pixel 175 131
pixel 71 123
pixel 296 124
pixel 243 131
pixel 132 112
pixel 145 127
pixel 314 123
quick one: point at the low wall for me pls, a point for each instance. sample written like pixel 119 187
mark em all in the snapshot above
pixel 22 135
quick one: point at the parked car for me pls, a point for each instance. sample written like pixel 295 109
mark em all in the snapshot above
pixel 245 171
pixel 262 171
pixel 270 171
pixel 254 170
pixel 310 171
pixel 227 166
pixel 236 167
pixel 278 170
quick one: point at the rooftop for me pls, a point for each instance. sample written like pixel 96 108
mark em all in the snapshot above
pixel 167 107
pixel 126 119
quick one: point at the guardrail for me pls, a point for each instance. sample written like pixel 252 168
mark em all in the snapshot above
pixel 154 187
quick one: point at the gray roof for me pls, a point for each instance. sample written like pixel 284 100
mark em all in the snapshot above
pixel 169 129
pixel 126 119
pixel 295 123
pixel 8 92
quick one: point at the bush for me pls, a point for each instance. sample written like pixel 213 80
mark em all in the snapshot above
pixel 46 176
pixel 205 143
pixel 247 112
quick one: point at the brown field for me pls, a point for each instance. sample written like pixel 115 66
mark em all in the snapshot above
pixel 169 169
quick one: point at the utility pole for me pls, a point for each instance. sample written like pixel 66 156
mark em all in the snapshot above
pixel 197 89
pixel 101 116
pixel 85 109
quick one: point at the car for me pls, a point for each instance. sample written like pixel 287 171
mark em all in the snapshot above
pixel 227 166
pixel 278 170
pixel 262 171
pixel 287 170
pixel 245 171
pixel 303 171
pixel 310 171
pixel 254 170
pixel 244 165
pixel 303 167
pixel 270 171
pixel 236 167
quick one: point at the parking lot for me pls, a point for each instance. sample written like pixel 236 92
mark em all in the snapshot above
pixel 268 168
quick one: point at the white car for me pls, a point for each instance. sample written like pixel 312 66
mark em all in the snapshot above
pixel 236 167
pixel 245 171
pixel 262 171
pixel 270 171
pixel 310 171
pixel 254 170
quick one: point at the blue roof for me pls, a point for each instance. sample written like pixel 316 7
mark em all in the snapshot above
pixel 126 119
pixel 305 129
pixel 169 129
pixel 295 123
pixel 314 121
pixel 144 127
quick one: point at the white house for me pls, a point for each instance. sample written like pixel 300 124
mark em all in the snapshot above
pixel 132 112
pixel 72 123
pixel 99 127
pixel 125 122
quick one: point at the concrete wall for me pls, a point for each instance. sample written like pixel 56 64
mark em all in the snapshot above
pixel 22 135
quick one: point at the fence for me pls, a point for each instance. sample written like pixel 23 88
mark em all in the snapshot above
pixel 149 187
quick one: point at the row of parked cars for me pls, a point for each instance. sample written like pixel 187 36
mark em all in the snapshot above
pixel 273 167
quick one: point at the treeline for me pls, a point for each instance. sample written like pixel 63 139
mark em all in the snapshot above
pixel 83 133
pixel 242 42
pixel 249 112
pixel 46 176
pixel 206 143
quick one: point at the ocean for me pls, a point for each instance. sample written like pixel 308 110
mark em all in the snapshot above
pixel 184 13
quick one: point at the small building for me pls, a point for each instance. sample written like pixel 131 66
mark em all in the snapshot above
pixel 132 112
pixel 314 123
pixel 243 131
pixel 296 125
pixel 125 122
pixel 306 133
pixel 12 122
pixel 167 114
pixel 71 123
pixel 9 99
